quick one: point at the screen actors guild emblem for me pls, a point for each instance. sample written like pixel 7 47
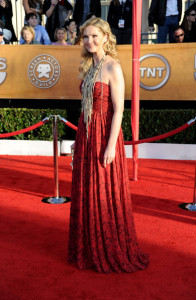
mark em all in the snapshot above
pixel 3 66
pixel 44 71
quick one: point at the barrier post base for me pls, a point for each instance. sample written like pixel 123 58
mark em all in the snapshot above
pixel 55 200
pixel 191 207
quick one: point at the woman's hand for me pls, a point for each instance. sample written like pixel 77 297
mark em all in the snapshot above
pixel 109 156
pixel 54 2
pixel 74 35
pixel 72 146
pixel 72 153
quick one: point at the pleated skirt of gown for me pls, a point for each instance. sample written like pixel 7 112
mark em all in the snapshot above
pixel 102 232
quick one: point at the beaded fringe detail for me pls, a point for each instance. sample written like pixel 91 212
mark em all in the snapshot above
pixel 87 92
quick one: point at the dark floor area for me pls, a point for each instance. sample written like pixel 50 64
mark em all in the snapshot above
pixel 71 104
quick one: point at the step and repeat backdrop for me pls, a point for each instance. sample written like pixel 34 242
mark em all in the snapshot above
pixel 167 71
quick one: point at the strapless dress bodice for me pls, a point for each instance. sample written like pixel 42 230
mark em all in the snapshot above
pixel 102 98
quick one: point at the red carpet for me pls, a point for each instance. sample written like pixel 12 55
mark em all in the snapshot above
pixel 33 234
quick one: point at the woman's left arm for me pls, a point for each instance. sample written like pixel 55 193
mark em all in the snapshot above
pixel 69 8
pixel 117 93
pixel 68 15
pixel 27 8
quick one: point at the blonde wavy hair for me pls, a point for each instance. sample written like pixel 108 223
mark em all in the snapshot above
pixel 109 46
pixel 55 33
pixel 28 28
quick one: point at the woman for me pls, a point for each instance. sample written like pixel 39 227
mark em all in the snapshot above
pixel 70 26
pixel 189 26
pixel 34 6
pixel 120 20
pixel 60 36
pixel 28 35
pixel 6 17
pixel 102 233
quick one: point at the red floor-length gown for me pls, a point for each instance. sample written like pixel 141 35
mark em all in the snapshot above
pixel 102 233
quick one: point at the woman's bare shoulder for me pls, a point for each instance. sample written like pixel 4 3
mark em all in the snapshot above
pixel 113 66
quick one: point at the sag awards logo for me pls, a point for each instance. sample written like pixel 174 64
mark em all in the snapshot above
pixel 154 71
pixel 44 71
pixel 3 66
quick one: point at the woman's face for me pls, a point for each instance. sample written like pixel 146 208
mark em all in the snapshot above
pixel 93 39
pixel 60 35
pixel 192 16
pixel 179 35
pixel 27 36
pixel 72 27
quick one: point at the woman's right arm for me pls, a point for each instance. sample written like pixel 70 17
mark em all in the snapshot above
pixel 51 8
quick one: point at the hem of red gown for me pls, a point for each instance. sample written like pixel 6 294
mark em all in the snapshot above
pixel 143 265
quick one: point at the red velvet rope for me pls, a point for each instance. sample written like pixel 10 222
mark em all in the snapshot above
pixel 152 139
pixel 161 136
pixel 148 140
pixel 71 125
pixel 3 135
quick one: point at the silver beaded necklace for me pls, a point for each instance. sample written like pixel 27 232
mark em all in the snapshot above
pixel 87 91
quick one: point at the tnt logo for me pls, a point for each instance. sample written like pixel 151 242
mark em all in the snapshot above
pixel 154 71
pixel 3 66
pixel 44 71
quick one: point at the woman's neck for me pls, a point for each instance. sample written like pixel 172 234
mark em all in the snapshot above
pixel 97 57
pixel 61 42
pixel 70 34
pixel 189 24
